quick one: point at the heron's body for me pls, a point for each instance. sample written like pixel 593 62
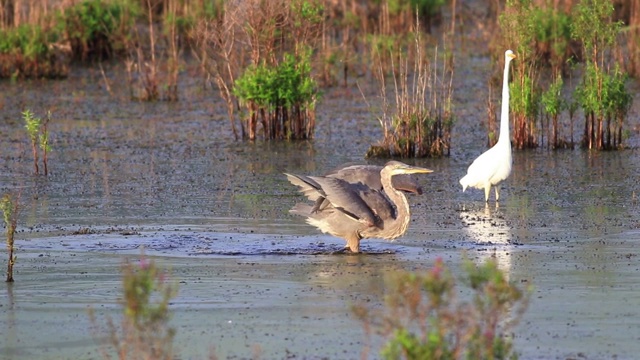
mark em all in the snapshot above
pixel 369 175
pixel 354 211
pixel 494 165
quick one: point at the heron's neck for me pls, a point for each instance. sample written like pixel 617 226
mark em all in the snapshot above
pixel 399 224
pixel 504 112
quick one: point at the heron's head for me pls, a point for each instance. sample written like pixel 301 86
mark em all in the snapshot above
pixel 398 168
pixel 509 55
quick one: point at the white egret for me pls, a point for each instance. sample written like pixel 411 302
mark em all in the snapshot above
pixel 494 165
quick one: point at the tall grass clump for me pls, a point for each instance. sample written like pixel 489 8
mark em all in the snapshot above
pixel 388 27
pixel 258 54
pixel 96 29
pixel 517 24
pixel 418 121
pixel 541 35
pixel 38 131
pixel 422 317
pixel 153 60
pixel 552 41
pixel 632 33
pixel 10 208
pixel 32 51
pixel 601 94
pixel 144 332
pixel 553 104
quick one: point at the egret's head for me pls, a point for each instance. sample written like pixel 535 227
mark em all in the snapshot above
pixel 398 168
pixel 509 55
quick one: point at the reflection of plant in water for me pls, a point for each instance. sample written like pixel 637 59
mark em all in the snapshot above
pixel 423 319
pixel 10 209
pixel 144 332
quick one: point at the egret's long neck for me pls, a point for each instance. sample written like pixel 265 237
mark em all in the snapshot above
pixel 504 114
pixel 397 226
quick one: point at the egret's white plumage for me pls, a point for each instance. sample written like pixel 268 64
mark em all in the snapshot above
pixel 494 165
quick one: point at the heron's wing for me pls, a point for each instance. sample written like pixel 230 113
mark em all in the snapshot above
pixel 351 199
pixel 309 187
pixel 379 203
pixel 369 175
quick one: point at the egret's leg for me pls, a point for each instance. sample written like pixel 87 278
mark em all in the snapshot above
pixel 487 189
pixel 497 192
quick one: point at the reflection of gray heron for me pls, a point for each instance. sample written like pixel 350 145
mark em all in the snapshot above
pixel 355 211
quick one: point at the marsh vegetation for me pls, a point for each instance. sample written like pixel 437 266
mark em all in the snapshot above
pixel 270 61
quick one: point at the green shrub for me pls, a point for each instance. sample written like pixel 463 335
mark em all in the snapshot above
pixel 602 94
pixel 552 36
pixel 29 51
pixel 30 41
pixel 605 102
pixel 553 104
pixel 525 105
pixel 38 132
pixel 283 95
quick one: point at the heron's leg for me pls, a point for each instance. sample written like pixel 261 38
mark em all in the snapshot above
pixel 497 192
pixel 487 189
pixel 353 243
pixel 344 250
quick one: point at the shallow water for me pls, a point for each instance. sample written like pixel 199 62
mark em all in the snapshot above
pixel 255 280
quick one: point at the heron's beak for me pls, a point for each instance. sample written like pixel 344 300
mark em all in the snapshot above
pixel 513 56
pixel 414 170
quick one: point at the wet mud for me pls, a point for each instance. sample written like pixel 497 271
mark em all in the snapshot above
pixel 255 281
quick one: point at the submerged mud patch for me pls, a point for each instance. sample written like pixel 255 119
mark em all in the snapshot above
pixel 180 244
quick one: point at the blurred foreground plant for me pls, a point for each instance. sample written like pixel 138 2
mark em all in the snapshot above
pixel 144 332
pixel 423 319
pixel 10 208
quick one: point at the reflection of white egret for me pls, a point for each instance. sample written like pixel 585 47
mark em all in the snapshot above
pixel 492 231
pixel 494 165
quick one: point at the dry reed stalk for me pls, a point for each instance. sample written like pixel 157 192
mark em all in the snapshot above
pixel 633 39
pixel 221 57
pixel 173 62
pixel 422 98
